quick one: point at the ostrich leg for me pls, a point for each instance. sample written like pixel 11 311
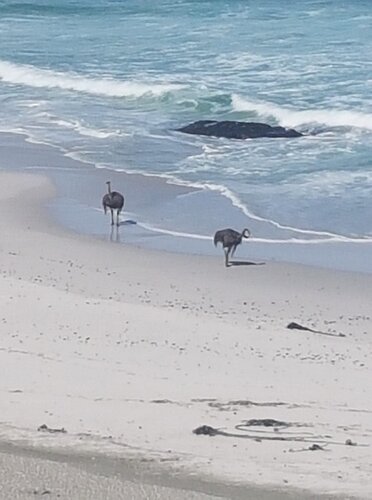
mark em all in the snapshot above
pixel 227 252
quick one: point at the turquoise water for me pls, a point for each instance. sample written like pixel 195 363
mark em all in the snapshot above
pixel 109 81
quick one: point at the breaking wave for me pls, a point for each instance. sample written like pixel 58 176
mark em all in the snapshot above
pixel 32 76
pixel 298 241
pixel 292 118
pixel 87 131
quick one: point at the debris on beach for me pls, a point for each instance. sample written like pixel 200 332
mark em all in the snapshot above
pixel 297 326
pixel 313 447
pixel 272 435
pixel 225 406
pixel 206 430
pixel 316 447
pixel 266 422
pixel 349 442
pixel 45 428
pixel 162 401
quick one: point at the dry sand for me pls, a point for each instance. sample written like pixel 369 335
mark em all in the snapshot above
pixel 129 350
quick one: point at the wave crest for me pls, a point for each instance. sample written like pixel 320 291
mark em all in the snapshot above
pixel 32 76
pixel 293 118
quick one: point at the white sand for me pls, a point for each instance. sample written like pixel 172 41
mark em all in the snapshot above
pixel 130 350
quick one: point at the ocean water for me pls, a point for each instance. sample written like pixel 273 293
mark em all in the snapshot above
pixel 109 81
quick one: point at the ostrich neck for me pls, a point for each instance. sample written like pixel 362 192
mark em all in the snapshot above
pixel 109 188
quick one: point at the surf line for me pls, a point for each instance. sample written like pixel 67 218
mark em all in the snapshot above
pixel 170 232
pixel 236 202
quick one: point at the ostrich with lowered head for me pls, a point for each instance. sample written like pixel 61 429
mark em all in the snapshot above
pixel 230 239
pixel 114 201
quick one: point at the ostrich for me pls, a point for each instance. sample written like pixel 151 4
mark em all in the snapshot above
pixel 114 201
pixel 230 239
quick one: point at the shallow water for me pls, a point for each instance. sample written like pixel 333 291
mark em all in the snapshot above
pixel 110 82
pixel 77 207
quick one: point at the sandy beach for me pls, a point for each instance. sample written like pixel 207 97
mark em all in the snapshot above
pixel 129 350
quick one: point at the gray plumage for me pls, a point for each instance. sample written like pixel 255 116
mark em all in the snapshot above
pixel 114 201
pixel 230 239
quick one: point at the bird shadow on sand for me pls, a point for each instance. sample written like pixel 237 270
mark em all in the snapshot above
pixel 245 263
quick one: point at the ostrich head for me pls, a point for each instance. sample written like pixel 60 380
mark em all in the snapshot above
pixel 246 233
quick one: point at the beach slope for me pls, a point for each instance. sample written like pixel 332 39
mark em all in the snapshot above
pixel 121 351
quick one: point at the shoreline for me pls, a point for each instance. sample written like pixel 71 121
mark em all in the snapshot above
pixel 80 186
pixel 144 346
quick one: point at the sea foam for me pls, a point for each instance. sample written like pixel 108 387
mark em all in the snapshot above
pixel 43 78
pixel 295 118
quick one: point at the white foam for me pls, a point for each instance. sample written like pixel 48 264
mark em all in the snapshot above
pixel 31 104
pixel 173 233
pixel 297 241
pixel 87 131
pixel 224 191
pixel 293 118
pixel 13 130
pixel 317 236
pixel 44 78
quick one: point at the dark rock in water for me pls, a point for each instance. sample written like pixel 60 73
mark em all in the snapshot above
pixel 237 130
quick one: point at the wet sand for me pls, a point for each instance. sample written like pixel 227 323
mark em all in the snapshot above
pixel 29 472
pixel 26 474
pixel 162 215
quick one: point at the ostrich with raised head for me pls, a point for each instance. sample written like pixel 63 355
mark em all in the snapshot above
pixel 230 239
pixel 114 201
